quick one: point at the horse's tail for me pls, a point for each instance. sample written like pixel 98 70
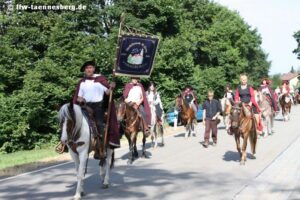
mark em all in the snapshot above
pixel 253 137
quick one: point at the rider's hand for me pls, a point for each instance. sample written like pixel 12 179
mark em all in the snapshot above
pixel 112 85
pixel 250 103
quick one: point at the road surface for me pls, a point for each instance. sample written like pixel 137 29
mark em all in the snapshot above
pixel 183 169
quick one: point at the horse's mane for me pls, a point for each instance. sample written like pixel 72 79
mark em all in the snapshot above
pixel 71 112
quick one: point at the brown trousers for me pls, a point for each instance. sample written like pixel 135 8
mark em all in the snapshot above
pixel 210 126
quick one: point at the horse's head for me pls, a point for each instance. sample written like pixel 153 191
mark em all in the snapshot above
pixel 121 110
pixel 236 111
pixel 70 121
pixel 178 102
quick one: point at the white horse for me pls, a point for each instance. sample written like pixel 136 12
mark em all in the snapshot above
pixel 267 112
pixel 77 136
pixel 226 107
pixel 157 130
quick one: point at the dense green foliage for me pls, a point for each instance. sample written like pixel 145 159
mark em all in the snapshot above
pixel 202 44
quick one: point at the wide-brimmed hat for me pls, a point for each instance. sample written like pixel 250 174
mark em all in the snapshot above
pixel 91 62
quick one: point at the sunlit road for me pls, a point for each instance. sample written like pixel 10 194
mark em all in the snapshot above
pixel 182 169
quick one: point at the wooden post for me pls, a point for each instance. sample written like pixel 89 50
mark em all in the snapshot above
pixel 113 79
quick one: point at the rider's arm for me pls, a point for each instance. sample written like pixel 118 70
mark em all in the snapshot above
pixel 237 96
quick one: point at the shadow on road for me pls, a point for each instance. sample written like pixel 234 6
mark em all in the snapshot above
pixel 235 156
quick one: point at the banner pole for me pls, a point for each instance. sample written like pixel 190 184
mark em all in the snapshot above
pixel 113 79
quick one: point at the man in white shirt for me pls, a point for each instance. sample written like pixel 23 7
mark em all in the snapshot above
pixel 134 93
pixel 91 91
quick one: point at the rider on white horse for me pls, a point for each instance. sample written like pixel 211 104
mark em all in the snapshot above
pixel 285 89
pixel 91 91
pixel 266 89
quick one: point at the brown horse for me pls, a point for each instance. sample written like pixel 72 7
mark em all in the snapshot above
pixel 286 104
pixel 297 98
pixel 243 125
pixel 187 115
pixel 126 113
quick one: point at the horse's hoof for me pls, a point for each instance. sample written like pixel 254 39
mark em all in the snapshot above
pixel 129 162
pixel 162 145
pixel 82 193
pixel 145 156
pixel 105 186
pixel 77 197
pixel 242 163
pixel 136 154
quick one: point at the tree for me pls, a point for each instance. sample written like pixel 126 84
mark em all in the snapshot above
pixel 297 38
pixel 292 69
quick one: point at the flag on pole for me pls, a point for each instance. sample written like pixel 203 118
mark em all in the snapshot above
pixel 136 54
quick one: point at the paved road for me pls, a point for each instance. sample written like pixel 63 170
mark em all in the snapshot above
pixel 183 169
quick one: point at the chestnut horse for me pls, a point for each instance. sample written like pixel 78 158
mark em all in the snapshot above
pixel 243 126
pixel 286 104
pixel 126 113
pixel 187 115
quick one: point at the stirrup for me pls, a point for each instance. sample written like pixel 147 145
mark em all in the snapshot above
pixel 60 148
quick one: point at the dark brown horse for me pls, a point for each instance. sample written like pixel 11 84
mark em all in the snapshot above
pixel 131 119
pixel 286 104
pixel 243 126
pixel 187 115
pixel 297 98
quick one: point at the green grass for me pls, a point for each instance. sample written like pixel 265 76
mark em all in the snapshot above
pixel 25 157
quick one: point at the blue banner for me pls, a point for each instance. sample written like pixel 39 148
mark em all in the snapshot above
pixel 136 55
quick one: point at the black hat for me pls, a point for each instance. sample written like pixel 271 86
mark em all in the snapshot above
pixel 91 62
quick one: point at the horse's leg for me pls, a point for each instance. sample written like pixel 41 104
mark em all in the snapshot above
pixel 157 130
pixel 144 155
pixel 135 152
pixel 153 136
pixel 130 144
pixel 161 128
pixel 75 158
pixel 244 148
pixel 238 145
pixel 83 156
pixel 193 128
pixel 107 168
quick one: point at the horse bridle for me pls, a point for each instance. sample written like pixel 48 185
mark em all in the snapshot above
pixel 235 120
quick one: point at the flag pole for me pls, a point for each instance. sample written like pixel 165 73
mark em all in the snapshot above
pixel 113 79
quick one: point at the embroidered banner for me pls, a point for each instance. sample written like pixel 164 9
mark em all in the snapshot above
pixel 136 55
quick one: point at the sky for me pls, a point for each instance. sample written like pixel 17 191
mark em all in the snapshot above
pixel 276 22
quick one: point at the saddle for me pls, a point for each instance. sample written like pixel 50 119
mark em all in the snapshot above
pixel 97 143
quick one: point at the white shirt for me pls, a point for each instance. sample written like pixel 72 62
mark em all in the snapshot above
pixel 91 91
pixel 135 94
pixel 265 90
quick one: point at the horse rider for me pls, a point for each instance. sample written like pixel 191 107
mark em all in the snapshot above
pixel 285 89
pixel 155 104
pixel 90 93
pixel 245 94
pixel 211 111
pixel 189 96
pixel 229 94
pixel 134 94
pixel 266 89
